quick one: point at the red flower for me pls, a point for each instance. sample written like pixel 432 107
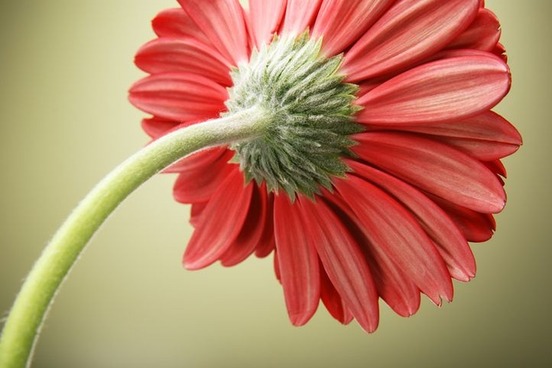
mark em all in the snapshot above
pixel 414 169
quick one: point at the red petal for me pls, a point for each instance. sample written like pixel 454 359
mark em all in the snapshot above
pixel 300 15
pixel 392 283
pixel 497 167
pixel 297 261
pixel 165 55
pixel 486 136
pixel 156 127
pixel 222 221
pixel 277 267
pixel 202 160
pixel 196 211
pixel 343 261
pixel 433 167
pixel 223 23
pixel 264 19
pixel 198 184
pixel 452 245
pixel 483 34
pixel 177 23
pixel 179 96
pixel 341 23
pixel 500 51
pixel 251 232
pixel 332 301
pixel 395 232
pixel 267 243
pixel 450 89
pixel 475 226
pixel 409 32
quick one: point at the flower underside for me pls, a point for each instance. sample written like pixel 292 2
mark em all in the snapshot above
pixel 310 116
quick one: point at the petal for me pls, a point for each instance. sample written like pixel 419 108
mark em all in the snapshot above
pixel 395 232
pixel 251 232
pixel 481 150
pixel 223 23
pixel 332 301
pixel 409 32
pixel 156 127
pixel 487 136
pixel 475 226
pixel 201 160
pixel 164 55
pixel 177 23
pixel 297 261
pixel 266 243
pixel 300 15
pixel 277 267
pixel 483 34
pixel 264 19
pixel 497 167
pixel 392 283
pixel 449 89
pixel 200 183
pixel 179 96
pixel 341 23
pixel 452 245
pixel 196 211
pixel 343 262
pixel 500 51
pixel 434 167
pixel 221 222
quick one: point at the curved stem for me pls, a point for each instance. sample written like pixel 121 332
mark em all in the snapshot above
pixel 31 305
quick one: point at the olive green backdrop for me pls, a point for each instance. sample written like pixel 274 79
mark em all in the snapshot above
pixel 65 67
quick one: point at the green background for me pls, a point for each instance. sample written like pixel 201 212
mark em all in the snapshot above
pixel 65 68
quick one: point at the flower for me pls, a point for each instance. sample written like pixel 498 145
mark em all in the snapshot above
pixel 382 160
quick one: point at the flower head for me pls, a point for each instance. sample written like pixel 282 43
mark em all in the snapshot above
pixel 381 155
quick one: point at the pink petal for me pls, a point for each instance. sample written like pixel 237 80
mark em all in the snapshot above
pixel 396 233
pixel 487 136
pixel 223 23
pixel 341 23
pixel 176 23
pixel 179 96
pixel 164 55
pixel 251 232
pixel 409 32
pixel 199 184
pixel 343 262
pixel 300 15
pixel 483 34
pixel 297 261
pixel 449 89
pixel 222 221
pixel 433 167
pixel 450 242
pixel 392 283
pixel 264 19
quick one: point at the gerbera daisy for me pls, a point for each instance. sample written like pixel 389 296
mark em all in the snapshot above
pixel 379 160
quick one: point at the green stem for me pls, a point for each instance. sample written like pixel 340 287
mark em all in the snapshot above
pixel 31 305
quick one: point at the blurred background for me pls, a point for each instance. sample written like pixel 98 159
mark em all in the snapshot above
pixel 65 68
